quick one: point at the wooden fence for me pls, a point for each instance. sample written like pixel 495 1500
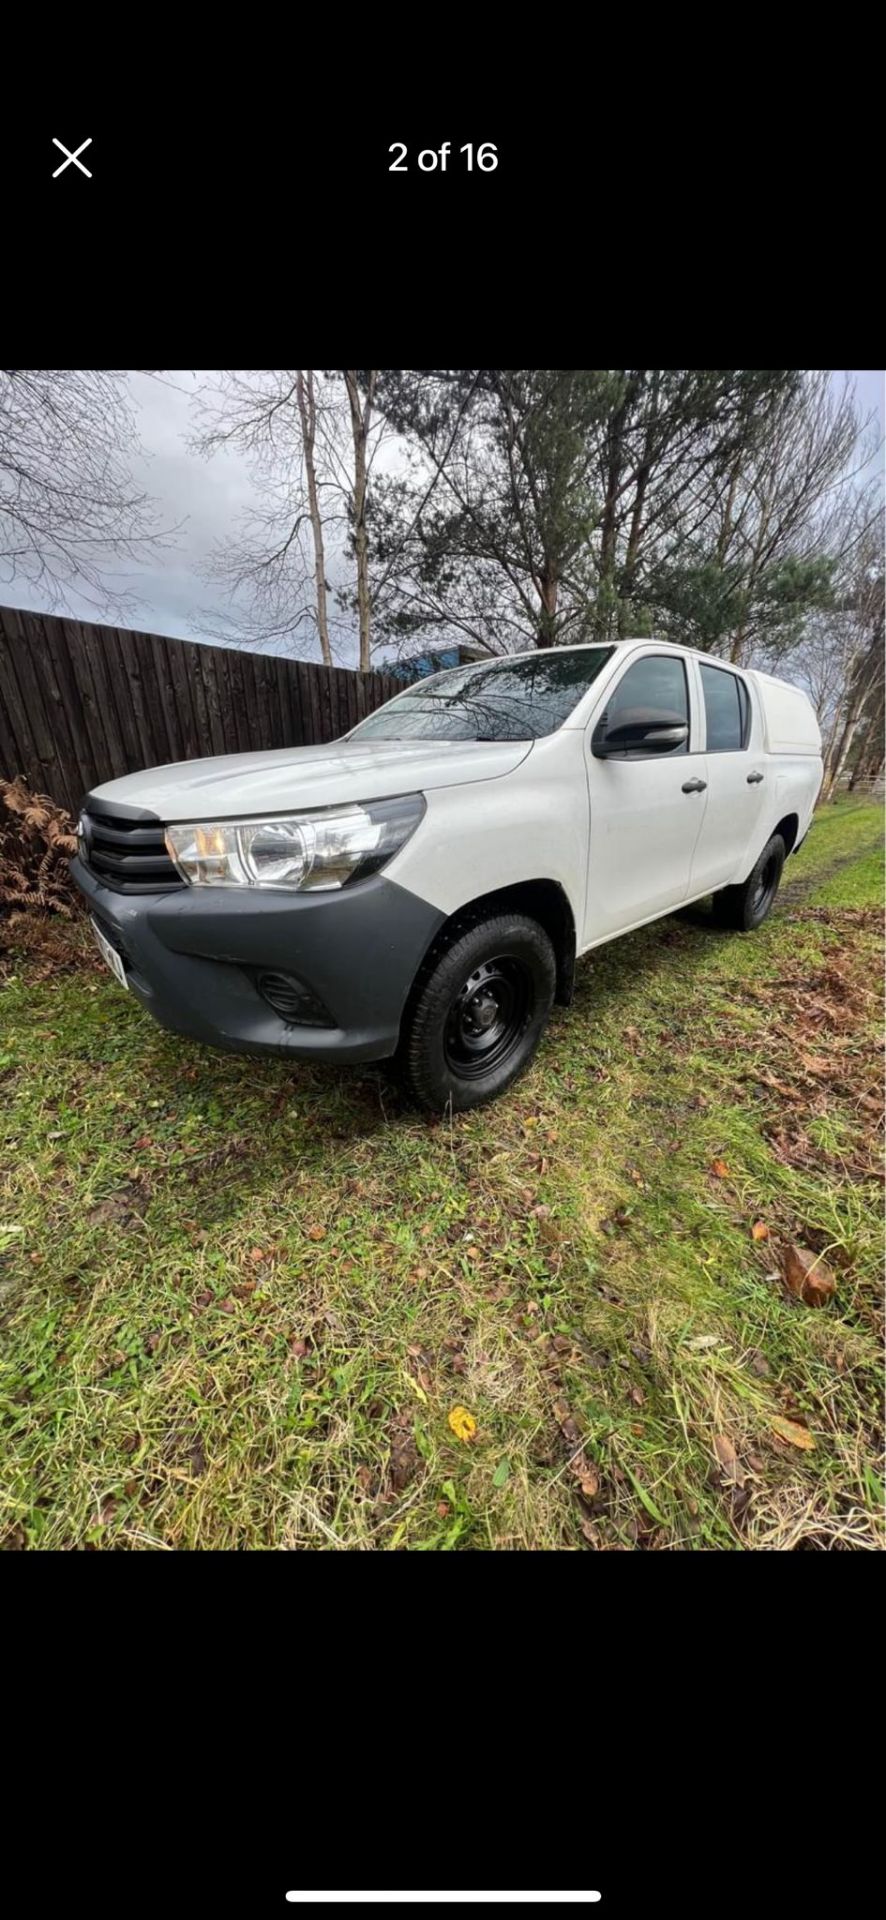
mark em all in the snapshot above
pixel 82 703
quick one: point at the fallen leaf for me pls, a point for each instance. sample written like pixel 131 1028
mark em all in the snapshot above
pixel 442 1508
pixel 145 1141
pixel 807 1276
pixel 703 1340
pixel 759 1230
pixel 720 1168
pixel 152 1340
pixel 502 1473
pixel 758 1363
pixel 462 1423
pixel 727 1457
pixel 789 1430
pixel 316 1233
pixel 638 1396
pixel 226 1306
pixel 298 1348
pixel 204 1299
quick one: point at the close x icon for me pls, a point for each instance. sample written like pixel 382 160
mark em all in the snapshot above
pixel 72 157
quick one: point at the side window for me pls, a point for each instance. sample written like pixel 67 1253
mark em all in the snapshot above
pixel 727 709
pixel 653 689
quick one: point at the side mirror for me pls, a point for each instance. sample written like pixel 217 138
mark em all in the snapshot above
pixel 639 730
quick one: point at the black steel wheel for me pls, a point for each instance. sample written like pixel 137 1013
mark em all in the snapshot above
pixel 746 907
pixel 488 1016
pixel 478 1012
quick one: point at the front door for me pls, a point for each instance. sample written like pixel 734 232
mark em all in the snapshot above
pixel 646 808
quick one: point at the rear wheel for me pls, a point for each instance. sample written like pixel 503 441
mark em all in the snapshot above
pixel 746 907
pixel 479 1012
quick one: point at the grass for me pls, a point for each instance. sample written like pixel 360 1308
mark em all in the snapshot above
pixel 240 1300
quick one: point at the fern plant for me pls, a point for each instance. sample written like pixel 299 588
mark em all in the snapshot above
pixel 36 841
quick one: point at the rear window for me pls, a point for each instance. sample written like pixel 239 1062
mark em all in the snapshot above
pixel 727 710
pixel 506 700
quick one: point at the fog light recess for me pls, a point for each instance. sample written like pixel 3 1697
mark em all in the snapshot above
pixel 292 1001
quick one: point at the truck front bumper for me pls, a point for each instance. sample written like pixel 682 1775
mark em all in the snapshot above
pixel 203 962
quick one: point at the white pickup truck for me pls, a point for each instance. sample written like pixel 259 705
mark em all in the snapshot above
pixel 423 887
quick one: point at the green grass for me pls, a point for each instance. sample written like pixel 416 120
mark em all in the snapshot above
pixel 241 1300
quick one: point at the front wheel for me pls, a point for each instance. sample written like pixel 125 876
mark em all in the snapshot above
pixel 746 907
pixel 479 1011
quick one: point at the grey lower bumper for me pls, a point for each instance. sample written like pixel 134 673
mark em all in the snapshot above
pixel 192 959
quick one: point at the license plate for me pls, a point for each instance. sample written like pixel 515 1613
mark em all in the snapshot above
pixel 109 955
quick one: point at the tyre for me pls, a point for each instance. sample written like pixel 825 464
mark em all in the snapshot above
pixel 478 1012
pixel 746 907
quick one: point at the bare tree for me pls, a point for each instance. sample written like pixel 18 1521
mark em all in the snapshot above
pixel 360 402
pixel 306 395
pixel 275 566
pixel 782 509
pixel 856 733
pixel 70 514
pixel 310 438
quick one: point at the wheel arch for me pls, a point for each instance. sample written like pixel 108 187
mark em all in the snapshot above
pixel 789 828
pixel 542 900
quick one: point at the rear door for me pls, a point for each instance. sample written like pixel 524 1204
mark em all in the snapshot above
pixel 646 808
pixel 737 773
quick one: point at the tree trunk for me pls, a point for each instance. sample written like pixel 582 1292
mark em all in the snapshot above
pixel 307 408
pixel 609 521
pixel 361 414
pixel 548 587
pixel 838 758
pixel 633 553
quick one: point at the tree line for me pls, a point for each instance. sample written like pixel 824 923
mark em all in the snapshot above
pixel 506 509
pixel 519 508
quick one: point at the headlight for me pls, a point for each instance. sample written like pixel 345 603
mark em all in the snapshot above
pixel 300 851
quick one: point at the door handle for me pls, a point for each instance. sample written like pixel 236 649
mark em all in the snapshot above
pixel 695 786
pixel 754 779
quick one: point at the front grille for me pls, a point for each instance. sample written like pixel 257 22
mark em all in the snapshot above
pixel 129 855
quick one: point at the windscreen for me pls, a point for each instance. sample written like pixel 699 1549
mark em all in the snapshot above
pixel 520 699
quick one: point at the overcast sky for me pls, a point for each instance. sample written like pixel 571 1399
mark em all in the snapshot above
pixel 208 497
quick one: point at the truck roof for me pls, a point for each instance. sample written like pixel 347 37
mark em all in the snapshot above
pixel 661 646
pixel 789 720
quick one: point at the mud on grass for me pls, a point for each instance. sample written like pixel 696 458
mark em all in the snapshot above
pixel 240 1301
